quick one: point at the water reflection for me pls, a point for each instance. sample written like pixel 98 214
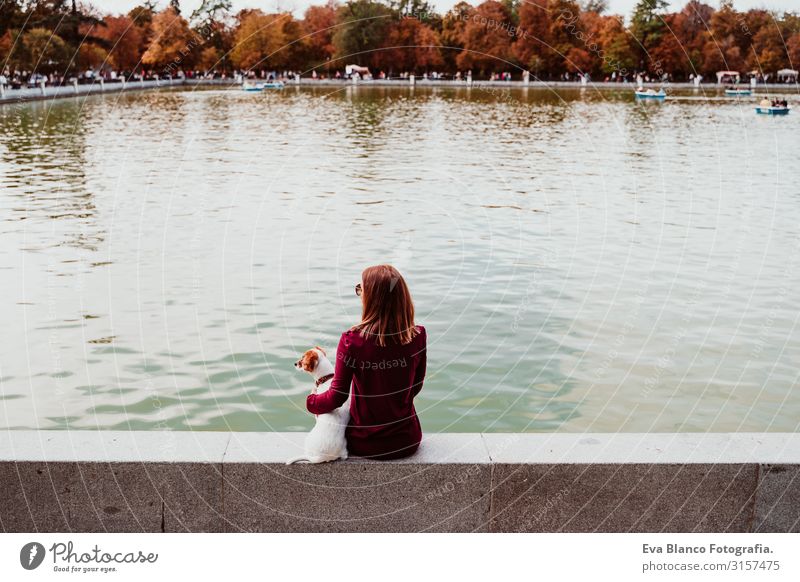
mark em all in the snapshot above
pixel 581 261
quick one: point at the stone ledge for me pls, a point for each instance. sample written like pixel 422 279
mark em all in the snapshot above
pixel 205 481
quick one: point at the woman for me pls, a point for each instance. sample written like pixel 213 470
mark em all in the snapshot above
pixel 384 357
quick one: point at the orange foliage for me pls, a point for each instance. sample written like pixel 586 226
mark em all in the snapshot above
pixel 318 27
pixel 414 46
pixel 125 40
pixel 261 40
pixel 173 43
pixel 487 38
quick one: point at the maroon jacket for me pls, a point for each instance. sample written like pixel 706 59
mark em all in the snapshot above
pixel 383 422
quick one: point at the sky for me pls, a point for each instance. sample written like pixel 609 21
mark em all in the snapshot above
pixel 298 6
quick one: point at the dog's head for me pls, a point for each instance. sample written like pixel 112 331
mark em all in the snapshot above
pixel 310 359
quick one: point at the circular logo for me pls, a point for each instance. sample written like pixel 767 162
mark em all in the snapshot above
pixel 31 555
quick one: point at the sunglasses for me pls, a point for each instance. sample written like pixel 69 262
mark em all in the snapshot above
pixel 358 290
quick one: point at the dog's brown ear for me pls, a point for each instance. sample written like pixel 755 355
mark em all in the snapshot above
pixel 309 360
pixel 324 353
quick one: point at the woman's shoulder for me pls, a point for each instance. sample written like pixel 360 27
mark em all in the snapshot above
pixel 352 337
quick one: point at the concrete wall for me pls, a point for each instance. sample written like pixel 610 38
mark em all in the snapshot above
pixel 202 481
pixel 36 94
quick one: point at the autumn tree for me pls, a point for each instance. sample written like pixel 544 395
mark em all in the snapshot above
pixel 173 44
pixel 689 27
pixel 318 28
pixel 727 42
pixel 428 52
pixel 210 23
pixel 143 15
pixel 7 44
pixel 767 52
pixel 793 49
pixel 451 36
pixel 488 37
pixel 567 40
pixel 668 54
pixel 293 53
pixel 412 46
pixel 124 41
pixel 92 56
pixel 547 37
pixel 262 40
pixel 532 48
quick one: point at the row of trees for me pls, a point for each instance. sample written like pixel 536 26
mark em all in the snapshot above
pixel 547 37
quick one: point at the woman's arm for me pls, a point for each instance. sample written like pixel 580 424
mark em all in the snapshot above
pixel 419 373
pixel 336 395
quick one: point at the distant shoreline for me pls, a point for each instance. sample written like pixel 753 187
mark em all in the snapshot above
pixel 12 96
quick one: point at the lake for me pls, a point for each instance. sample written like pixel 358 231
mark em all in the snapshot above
pixel 581 261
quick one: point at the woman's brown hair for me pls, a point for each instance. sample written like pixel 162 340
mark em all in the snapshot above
pixel 387 312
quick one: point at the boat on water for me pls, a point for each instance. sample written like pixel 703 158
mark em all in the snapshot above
pixel 738 92
pixel 650 94
pixel 774 107
pixel 772 110
pixel 261 86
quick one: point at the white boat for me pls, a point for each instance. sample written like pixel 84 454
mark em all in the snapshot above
pixel 255 87
pixel 772 110
pixel 650 94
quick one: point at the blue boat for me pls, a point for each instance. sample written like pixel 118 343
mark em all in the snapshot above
pixel 738 92
pixel 261 86
pixel 772 110
pixel 650 94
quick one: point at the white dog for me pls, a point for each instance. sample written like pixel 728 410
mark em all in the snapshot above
pixel 326 440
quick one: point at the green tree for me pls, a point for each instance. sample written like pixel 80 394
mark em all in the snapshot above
pixel 647 26
pixel 363 29
pixel 11 16
pixel 42 51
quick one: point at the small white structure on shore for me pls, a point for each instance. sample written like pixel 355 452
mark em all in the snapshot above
pixel 356 71
pixel 728 77
pixel 787 76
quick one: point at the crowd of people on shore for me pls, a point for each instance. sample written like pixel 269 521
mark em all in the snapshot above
pixel 22 79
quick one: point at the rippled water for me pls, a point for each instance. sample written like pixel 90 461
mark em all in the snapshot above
pixel 582 262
